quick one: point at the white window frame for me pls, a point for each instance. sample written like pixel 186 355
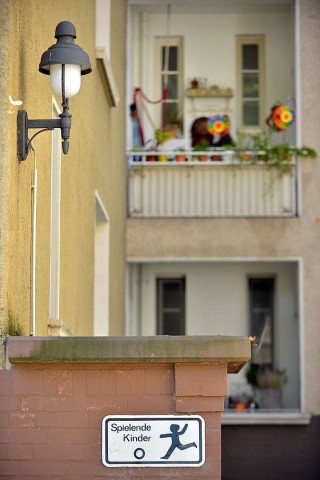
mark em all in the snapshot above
pixel 242 40
pixel 168 41
pixel 179 309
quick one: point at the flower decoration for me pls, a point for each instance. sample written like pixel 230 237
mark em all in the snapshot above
pixel 219 125
pixel 282 116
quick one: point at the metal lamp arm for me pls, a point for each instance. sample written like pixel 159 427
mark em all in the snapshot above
pixel 24 124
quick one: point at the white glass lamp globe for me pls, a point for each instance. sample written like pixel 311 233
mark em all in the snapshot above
pixel 72 79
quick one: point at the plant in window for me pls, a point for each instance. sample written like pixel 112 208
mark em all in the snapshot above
pixel 267 383
pixel 264 376
pixel 202 146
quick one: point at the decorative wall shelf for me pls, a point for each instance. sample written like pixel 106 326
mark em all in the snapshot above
pixel 209 92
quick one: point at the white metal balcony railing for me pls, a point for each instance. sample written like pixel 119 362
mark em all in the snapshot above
pixel 226 184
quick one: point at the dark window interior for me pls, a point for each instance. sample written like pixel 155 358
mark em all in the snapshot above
pixel 171 306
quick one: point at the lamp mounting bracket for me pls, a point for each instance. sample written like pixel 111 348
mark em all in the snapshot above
pixel 24 124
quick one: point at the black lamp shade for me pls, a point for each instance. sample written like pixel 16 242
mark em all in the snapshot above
pixel 65 51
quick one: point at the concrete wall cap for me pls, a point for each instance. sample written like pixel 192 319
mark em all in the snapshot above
pixel 234 351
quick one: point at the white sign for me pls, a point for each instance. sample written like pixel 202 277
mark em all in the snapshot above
pixel 153 441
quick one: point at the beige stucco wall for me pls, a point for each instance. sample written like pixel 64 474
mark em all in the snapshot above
pixel 263 238
pixel 310 97
pixel 4 27
pixel 95 163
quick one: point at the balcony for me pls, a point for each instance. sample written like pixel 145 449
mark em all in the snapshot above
pixel 225 184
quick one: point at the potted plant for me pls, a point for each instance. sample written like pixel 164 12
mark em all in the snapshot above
pixel 267 383
pixel 180 156
pixel 202 146
pixel 280 154
pixel 161 137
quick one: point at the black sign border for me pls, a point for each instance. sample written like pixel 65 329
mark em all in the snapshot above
pixel 155 418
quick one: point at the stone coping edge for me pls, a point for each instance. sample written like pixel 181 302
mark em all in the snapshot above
pixel 235 351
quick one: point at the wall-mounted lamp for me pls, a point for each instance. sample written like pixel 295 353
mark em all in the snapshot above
pixel 65 62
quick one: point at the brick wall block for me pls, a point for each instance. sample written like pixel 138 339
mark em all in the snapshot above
pixel 85 452
pixel 45 452
pixel 52 467
pixel 137 381
pixel 19 452
pixel 206 380
pixel 79 382
pixel 22 420
pixel 4 436
pixel 167 380
pixel 49 419
pixel 108 404
pixel 26 436
pixel 94 382
pixel 122 382
pixel 3 451
pixel 95 418
pixel 74 436
pixel 199 404
pixel 92 470
pixel 108 382
pixel 27 381
pixel 150 404
pixel 50 382
pixel 9 468
pixel 75 419
pixel 47 404
pixel 6 387
pixel 64 383
pixel 212 419
pixel 152 382
pixel 8 403
pixel 3 419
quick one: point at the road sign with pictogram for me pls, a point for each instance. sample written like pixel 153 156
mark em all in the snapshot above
pixel 153 441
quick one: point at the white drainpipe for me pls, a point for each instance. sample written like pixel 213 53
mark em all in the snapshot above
pixel 34 191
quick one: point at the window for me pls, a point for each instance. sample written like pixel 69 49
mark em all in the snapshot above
pixel 171 306
pixel 169 75
pixel 261 292
pixel 250 81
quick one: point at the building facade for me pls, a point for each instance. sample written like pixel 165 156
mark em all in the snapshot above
pixel 227 245
pixel 63 217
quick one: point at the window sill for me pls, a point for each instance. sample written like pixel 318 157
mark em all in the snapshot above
pixel 108 76
pixel 285 417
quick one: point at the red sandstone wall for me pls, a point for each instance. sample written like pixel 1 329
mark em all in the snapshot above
pixel 50 416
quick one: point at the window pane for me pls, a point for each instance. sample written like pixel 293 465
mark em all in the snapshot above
pixel 172 85
pixel 262 330
pixel 170 58
pixel 250 58
pixel 172 113
pixel 171 295
pixel 172 324
pixel 250 113
pixel 261 314
pixel 250 85
pixel 171 306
